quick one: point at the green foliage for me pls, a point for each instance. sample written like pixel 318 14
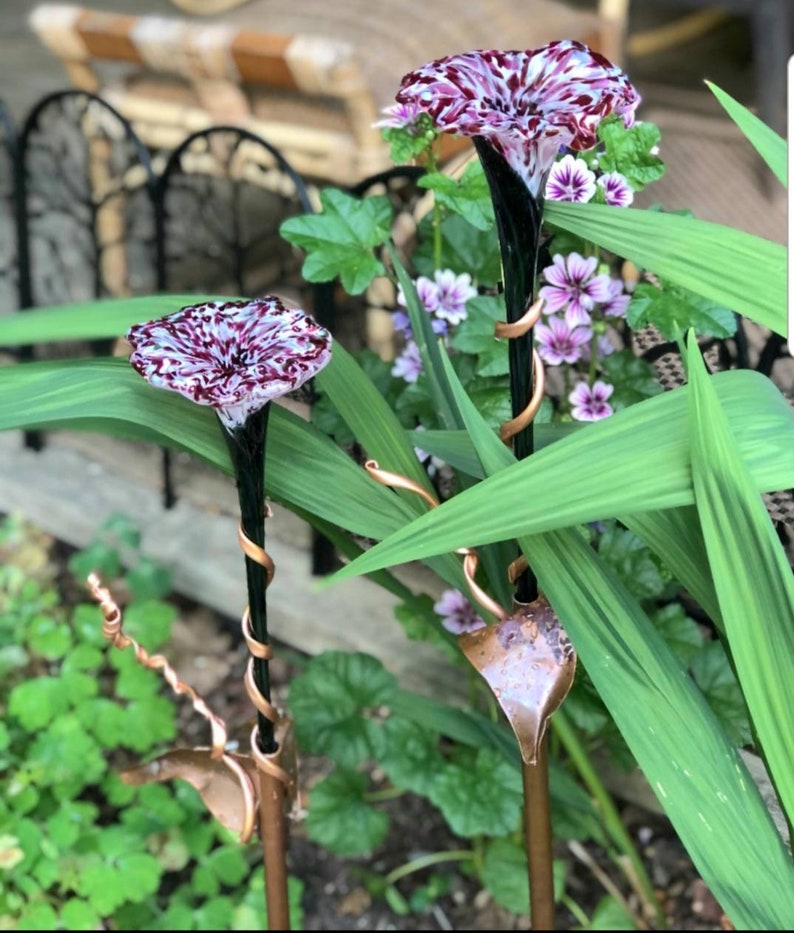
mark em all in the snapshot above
pixel 629 151
pixel 467 196
pixel 673 310
pixel 341 239
pixel 79 849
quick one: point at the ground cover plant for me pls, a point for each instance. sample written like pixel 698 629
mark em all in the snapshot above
pixel 618 496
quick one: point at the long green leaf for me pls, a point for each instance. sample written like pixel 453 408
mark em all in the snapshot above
pixel 769 144
pixel 755 584
pixel 304 468
pixel 91 320
pixel 677 740
pixel 712 260
pixel 636 460
pixel 698 777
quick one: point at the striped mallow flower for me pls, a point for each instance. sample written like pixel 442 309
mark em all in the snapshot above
pixel 558 342
pixel 235 356
pixel 575 286
pixel 457 613
pixel 570 180
pixel 589 403
pixel 616 188
pixel 526 104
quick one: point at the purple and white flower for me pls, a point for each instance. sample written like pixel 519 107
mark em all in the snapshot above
pixel 570 180
pixel 526 104
pixel 574 286
pixel 558 342
pixel 590 404
pixel 399 116
pixel 408 365
pixel 427 291
pixel 453 293
pixel 617 190
pixel 457 613
pixel 234 356
pixel 618 301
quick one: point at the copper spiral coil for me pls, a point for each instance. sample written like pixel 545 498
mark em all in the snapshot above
pixel 470 559
pixel 112 631
pixel 266 762
pixel 517 329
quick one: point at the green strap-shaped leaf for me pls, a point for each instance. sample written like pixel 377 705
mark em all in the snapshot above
pixel 106 394
pixel 636 460
pixel 92 320
pixel 754 581
pixel 710 259
pixel 697 775
pixel 769 144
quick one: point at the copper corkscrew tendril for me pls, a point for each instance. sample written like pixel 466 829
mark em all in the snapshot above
pixel 517 329
pixel 112 631
pixel 258 649
pixel 470 559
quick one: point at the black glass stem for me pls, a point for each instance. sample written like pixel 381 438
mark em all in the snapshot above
pixel 519 217
pixel 247 450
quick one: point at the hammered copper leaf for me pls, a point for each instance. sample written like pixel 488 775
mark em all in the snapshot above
pixel 227 789
pixel 529 663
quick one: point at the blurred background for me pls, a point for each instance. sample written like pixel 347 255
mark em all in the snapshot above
pixel 667 48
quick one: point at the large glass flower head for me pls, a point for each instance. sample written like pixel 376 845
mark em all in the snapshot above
pixel 235 356
pixel 527 105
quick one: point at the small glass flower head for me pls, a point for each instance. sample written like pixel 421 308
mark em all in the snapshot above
pixel 234 356
pixel 527 105
pixel 570 180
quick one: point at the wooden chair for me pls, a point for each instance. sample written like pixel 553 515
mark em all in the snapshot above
pixel 308 75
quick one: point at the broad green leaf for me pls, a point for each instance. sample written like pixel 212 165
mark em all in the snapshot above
pixel 629 151
pixel 468 195
pixel 340 819
pixel 629 557
pixel 476 335
pixel 610 914
pixel 754 581
pixel 340 240
pixel 464 248
pixel 412 758
pixel 769 145
pixel 584 477
pixel 676 536
pixel 332 701
pixel 504 874
pixel 486 777
pixel 710 259
pixel 678 630
pixel 711 671
pixel 673 310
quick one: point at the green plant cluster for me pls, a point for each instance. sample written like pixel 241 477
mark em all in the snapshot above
pixel 80 849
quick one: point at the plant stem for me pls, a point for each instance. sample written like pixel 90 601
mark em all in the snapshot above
pixel 638 876
pixel 388 793
pixel 576 910
pixel 425 861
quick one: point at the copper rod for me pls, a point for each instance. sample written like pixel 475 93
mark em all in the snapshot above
pixel 273 832
pixel 537 824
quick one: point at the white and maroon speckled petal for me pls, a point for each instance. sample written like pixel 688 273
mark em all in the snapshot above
pixel 525 104
pixel 234 356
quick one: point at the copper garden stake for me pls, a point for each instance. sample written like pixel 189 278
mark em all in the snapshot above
pixel 529 663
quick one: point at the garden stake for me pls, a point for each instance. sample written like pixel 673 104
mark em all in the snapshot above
pixel 518 214
pixel 521 108
pixel 236 356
